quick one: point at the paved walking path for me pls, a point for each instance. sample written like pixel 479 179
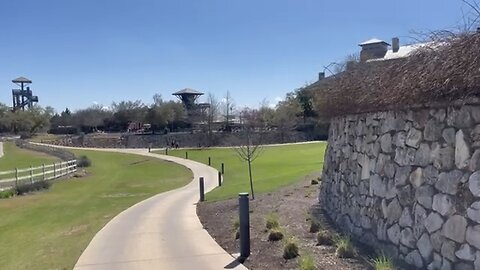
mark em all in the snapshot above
pixel 1 149
pixel 162 232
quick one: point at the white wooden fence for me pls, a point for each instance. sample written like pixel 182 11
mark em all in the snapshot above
pixel 35 174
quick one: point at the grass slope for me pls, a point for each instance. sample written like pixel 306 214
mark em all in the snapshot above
pixel 49 230
pixel 16 157
pixel 278 166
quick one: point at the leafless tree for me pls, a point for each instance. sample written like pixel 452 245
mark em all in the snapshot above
pixel 228 109
pixel 212 114
pixel 470 19
pixel 249 151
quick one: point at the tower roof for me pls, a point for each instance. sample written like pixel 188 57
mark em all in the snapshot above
pixel 188 91
pixel 21 80
pixel 373 41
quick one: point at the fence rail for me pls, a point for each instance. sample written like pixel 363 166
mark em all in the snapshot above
pixel 39 173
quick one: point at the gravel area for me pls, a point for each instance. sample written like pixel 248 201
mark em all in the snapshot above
pixel 292 204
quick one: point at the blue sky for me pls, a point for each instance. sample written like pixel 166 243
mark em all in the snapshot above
pixel 85 51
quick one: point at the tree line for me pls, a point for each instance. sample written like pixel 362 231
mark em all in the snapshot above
pixel 294 112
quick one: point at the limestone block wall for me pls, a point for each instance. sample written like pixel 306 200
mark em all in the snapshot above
pixel 408 182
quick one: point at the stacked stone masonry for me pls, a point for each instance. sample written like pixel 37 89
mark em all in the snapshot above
pixel 408 183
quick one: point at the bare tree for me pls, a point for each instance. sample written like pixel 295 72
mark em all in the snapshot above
pixel 212 114
pixel 249 152
pixel 228 109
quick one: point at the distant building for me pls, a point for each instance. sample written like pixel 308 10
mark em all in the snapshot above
pixel 378 50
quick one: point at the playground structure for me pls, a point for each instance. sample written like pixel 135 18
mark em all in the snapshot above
pixel 23 97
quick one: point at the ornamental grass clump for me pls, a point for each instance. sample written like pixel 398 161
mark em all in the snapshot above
pixel 236 227
pixel 275 235
pixel 272 221
pixel 290 249
pixel 306 262
pixel 344 247
pixel 324 238
pixel 314 226
pixel 383 263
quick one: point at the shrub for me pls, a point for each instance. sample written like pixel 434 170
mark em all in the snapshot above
pixel 290 249
pixel 36 186
pixel 236 223
pixel 344 247
pixel 314 226
pixel 306 262
pixel 5 194
pixel 383 263
pixel 324 238
pixel 275 235
pixel 272 221
pixel 236 227
pixel 83 161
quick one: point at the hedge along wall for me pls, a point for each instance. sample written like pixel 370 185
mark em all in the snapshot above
pixel 408 183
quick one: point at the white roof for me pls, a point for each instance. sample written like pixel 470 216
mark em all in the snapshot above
pixel 405 51
pixel 372 41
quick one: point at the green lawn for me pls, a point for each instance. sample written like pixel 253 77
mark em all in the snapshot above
pixel 49 230
pixel 278 166
pixel 15 157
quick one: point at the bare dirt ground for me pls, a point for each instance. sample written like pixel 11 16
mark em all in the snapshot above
pixel 292 205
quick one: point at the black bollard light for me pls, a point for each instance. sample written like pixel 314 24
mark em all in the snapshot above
pixel 186 155
pixel 209 161
pixel 219 179
pixel 244 213
pixel 202 190
pixel 223 168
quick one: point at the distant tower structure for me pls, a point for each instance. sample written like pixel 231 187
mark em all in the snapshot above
pixel 195 111
pixel 22 97
pixel 188 97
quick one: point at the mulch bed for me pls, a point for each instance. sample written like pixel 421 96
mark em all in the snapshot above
pixel 292 205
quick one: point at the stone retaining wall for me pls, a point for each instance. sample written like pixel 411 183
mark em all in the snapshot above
pixel 408 183
pixel 183 139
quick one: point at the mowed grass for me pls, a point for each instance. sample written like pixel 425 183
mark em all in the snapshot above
pixel 15 157
pixel 277 167
pixel 49 230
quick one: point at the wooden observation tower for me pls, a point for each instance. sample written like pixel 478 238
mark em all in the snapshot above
pixel 189 98
pixel 23 97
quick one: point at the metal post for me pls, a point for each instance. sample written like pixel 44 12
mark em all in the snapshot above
pixel 16 177
pixel 31 174
pixel 209 161
pixel 43 172
pixel 219 179
pixel 166 151
pixel 149 150
pixel 244 213
pixel 54 171
pixel 186 155
pixel 202 190
pixel 223 168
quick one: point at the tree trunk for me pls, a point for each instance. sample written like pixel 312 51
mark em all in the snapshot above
pixel 251 180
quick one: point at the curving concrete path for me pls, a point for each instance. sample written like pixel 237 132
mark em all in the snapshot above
pixel 162 232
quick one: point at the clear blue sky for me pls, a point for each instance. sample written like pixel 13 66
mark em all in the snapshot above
pixel 85 51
